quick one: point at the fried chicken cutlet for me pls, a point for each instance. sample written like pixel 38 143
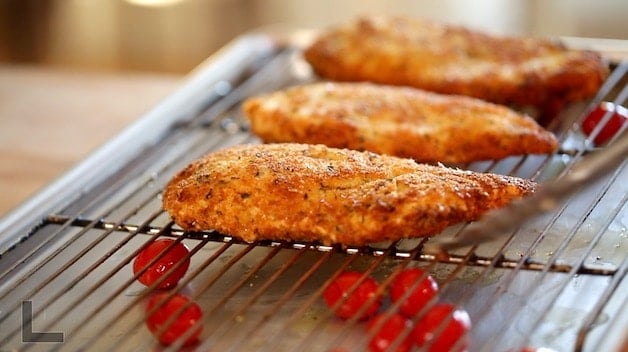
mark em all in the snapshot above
pixel 449 59
pixel 307 192
pixel 400 121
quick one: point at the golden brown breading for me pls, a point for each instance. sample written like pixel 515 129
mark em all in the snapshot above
pixel 315 193
pixel 401 121
pixel 455 60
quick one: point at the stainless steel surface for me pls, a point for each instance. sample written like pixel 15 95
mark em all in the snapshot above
pixel 549 197
pixel 557 281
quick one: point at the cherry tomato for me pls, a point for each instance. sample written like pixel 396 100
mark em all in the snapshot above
pixel 422 292
pixel 617 120
pixel 429 332
pixel 163 264
pixel 340 288
pixel 386 336
pixel 181 323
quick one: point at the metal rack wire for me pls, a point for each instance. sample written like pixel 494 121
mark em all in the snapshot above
pixel 558 282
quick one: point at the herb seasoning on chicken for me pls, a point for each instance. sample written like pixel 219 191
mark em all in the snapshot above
pixel 315 193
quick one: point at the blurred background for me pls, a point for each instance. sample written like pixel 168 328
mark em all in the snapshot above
pixel 175 35
pixel 74 73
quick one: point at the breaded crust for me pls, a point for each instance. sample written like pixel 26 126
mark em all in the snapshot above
pixel 456 60
pixel 400 121
pixel 315 193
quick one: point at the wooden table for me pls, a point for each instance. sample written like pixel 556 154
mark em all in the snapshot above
pixel 52 118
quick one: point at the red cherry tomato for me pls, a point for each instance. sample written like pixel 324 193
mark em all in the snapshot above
pixel 163 264
pixel 340 288
pixel 388 333
pixel 181 322
pixel 617 120
pixel 429 332
pixel 422 292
